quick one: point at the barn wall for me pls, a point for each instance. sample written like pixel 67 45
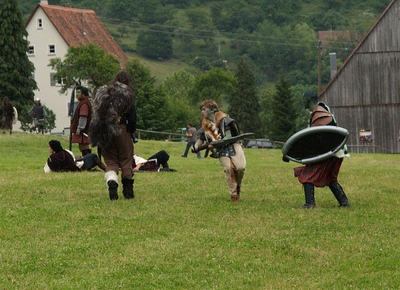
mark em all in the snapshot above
pixel 365 93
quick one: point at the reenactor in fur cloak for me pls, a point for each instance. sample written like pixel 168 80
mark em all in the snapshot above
pixel 112 128
pixel 217 126
pixel 325 172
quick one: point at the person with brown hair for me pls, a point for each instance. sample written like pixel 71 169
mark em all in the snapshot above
pixel 112 129
pixel 62 160
pixel 219 126
pixel 81 120
pixel 191 134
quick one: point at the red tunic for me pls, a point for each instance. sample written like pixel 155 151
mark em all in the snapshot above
pixel 320 174
pixel 83 109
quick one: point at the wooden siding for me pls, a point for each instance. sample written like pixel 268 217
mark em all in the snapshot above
pixel 365 92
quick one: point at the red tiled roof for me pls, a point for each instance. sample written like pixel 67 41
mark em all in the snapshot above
pixel 80 26
pixel 326 36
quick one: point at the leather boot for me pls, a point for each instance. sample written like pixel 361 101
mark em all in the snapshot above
pixel 127 188
pixel 113 189
pixel 339 194
pixel 309 195
pixel 235 198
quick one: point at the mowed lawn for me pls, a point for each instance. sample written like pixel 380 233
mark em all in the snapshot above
pixel 61 231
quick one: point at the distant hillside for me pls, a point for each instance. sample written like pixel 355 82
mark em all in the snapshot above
pixel 275 36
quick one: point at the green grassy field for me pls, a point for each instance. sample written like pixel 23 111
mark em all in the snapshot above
pixel 61 231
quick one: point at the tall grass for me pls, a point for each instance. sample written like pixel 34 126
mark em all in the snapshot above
pixel 61 231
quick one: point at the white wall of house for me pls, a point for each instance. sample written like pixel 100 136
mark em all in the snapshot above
pixel 43 37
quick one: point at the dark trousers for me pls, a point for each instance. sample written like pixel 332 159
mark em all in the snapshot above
pixel 89 161
pixel 188 145
pixel 162 158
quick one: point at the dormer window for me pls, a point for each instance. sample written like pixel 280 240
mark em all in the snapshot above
pixel 40 23
pixel 52 49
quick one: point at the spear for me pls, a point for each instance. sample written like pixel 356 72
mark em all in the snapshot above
pixel 71 110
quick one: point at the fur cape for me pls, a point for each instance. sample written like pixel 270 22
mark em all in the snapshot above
pixel 211 128
pixel 110 104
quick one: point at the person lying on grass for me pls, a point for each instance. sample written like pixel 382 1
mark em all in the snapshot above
pixel 153 163
pixel 62 160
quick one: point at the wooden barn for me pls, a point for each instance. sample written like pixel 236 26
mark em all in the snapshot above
pixel 364 94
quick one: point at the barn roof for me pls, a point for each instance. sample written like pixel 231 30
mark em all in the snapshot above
pixel 356 49
pixel 80 26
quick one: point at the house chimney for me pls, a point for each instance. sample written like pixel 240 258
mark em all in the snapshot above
pixel 45 2
pixel 333 63
pixel 68 5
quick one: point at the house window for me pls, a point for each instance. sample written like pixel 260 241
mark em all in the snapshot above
pixel 31 49
pixel 52 49
pixel 33 76
pixel 40 23
pixel 54 82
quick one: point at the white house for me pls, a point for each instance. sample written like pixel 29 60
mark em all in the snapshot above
pixel 51 31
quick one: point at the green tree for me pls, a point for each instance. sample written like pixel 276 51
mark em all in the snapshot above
pixel 154 43
pixel 122 10
pixel 202 26
pixel 148 11
pixel 292 49
pixel 211 85
pixel 283 118
pixel 176 88
pixel 240 15
pixel 266 93
pixel 302 114
pixel 16 69
pixel 88 63
pixel 331 19
pixel 243 104
pixel 281 11
pixel 216 14
pixel 150 102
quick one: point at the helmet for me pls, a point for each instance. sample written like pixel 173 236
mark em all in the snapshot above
pixel 37 100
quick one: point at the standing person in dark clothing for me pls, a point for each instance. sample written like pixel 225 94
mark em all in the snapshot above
pixel 81 121
pixel 112 129
pixel 38 113
pixel 325 172
pixel 191 133
pixel 7 111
